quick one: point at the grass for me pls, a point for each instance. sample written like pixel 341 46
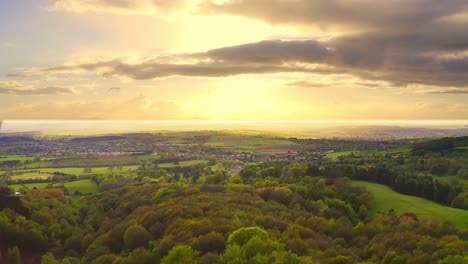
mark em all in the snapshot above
pixel 337 154
pixel 31 175
pixel 80 171
pixel 181 164
pixel 29 186
pixel 15 157
pixel 251 143
pixel 385 199
pixel 84 186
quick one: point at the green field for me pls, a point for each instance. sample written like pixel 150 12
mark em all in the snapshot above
pixel 79 171
pixel 251 143
pixel 29 186
pixel 84 186
pixel 337 154
pixel 15 157
pixel 31 175
pixel 385 199
pixel 181 164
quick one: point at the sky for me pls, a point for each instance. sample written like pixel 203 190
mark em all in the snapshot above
pixel 234 59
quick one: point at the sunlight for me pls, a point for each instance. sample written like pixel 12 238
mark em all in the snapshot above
pixel 240 103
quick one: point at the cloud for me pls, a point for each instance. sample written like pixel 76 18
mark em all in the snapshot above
pixel 11 84
pixel 398 61
pixel 308 84
pixel 448 91
pixel 401 42
pixel 125 7
pixel 355 15
pixel 36 91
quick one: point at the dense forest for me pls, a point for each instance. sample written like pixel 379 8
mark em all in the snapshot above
pixel 273 211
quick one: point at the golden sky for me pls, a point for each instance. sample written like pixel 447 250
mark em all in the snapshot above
pixel 233 59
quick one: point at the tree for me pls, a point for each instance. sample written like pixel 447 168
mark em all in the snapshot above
pixel 140 256
pixel 136 236
pixel 181 254
pixel 242 235
pixel 211 242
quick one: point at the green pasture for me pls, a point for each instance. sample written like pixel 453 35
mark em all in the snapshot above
pixel 84 186
pixel 385 199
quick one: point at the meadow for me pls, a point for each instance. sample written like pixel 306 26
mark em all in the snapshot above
pixel 85 186
pixel 336 155
pixel 39 173
pixel 385 199
pixel 15 157
pixel 244 143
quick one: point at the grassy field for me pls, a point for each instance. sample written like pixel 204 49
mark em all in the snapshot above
pixel 251 144
pixel 15 157
pixel 29 186
pixel 181 164
pixel 31 175
pixel 84 186
pixel 385 199
pixel 79 171
pixel 337 154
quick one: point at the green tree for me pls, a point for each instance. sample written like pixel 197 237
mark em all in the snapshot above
pixel 242 235
pixel 136 236
pixel 181 254
pixel 140 256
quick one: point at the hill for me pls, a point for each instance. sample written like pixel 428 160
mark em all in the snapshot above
pixel 385 199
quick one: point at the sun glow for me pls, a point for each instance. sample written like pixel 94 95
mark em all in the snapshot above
pixel 240 103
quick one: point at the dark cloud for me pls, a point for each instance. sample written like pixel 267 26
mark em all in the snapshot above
pixel 400 41
pixel 36 91
pixel 395 15
pixel 448 91
pixel 307 84
pixel 15 75
pixel 272 52
pixel 368 57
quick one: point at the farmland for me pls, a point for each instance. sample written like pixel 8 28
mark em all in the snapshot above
pixel 85 186
pixel 252 143
pixel 385 199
